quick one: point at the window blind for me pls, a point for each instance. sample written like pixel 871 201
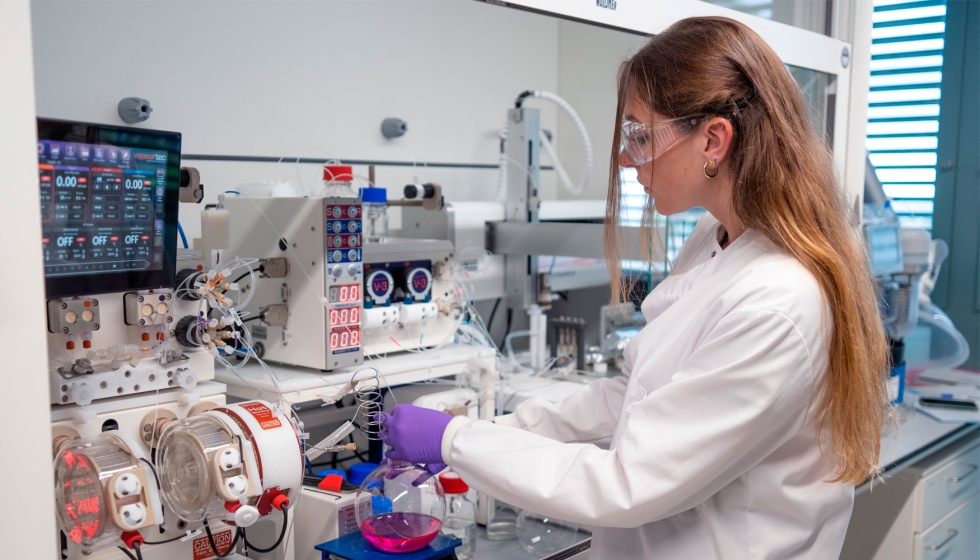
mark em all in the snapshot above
pixel 907 43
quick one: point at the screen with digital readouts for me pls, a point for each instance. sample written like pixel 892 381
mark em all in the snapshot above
pixel 108 206
pixel 345 339
pixel 348 293
pixel 344 317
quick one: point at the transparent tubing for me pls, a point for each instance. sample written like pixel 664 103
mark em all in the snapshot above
pixel 549 148
pixel 586 145
pixel 936 318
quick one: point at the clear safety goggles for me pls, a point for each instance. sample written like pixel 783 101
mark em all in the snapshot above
pixel 647 141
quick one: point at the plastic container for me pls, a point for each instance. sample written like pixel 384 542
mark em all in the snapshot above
pixel 338 181
pixel 374 201
pixel 541 535
pixel 325 472
pixel 460 520
pixel 359 471
pixel 400 507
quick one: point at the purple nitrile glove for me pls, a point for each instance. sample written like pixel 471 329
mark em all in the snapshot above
pixel 431 469
pixel 414 434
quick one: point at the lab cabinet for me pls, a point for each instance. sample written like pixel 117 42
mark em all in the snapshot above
pixel 955 537
pixel 949 486
pixel 928 511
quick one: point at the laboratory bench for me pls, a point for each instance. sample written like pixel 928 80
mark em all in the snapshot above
pixel 924 506
pixel 917 451
pixel 487 549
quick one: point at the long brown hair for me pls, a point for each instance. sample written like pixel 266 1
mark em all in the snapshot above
pixel 785 186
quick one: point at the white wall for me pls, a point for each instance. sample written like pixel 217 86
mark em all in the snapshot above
pixel 26 481
pixel 589 59
pixel 256 78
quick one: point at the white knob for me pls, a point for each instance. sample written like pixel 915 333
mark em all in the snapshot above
pixel 82 394
pixel 187 379
pixel 236 485
pixel 245 516
pixel 229 459
pixel 127 485
pixel 133 515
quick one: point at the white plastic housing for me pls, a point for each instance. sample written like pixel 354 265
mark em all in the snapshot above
pixel 227 454
pixel 380 317
pixel 417 313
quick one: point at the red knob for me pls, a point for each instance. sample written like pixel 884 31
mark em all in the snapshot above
pixel 281 501
pixel 130 538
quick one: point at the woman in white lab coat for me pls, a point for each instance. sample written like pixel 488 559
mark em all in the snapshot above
pixel 752 401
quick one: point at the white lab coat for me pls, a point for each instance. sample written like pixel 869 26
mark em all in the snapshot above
pixel 707 447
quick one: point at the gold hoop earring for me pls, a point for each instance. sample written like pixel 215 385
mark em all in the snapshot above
pixel 713 163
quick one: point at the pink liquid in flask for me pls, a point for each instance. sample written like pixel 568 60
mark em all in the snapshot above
pixel 400 532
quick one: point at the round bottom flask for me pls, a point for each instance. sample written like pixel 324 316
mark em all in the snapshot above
pixel 400 507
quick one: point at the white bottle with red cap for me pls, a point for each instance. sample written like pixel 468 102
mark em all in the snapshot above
pixel 460 522
pixel 338 180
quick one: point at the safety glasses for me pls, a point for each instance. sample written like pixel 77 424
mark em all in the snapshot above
pixel 647 141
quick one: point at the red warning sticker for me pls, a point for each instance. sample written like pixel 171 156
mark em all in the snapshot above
pixel 202 548
pixel 263 414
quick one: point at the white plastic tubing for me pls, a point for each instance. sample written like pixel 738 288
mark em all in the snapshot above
pixel 960 350
pixel 546 144
pixel 936 318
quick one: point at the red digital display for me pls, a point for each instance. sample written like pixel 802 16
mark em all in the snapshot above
pixel 345 338
pixel 348 293
pixel 344 317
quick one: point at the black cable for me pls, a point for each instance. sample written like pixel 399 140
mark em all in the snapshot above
pixel 139 553
pixel 152 468
pixel 177 538
pixel 520 98
pixel 251 318
pixel 128 553
pixel 315 481
pixel 359 455
pixel 282 534
pixel 259 269
pixel 510 319
pixel 231 548
pixel 492 314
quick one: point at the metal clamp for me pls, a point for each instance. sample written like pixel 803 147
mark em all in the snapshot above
pixel 971 470
pixel 952 535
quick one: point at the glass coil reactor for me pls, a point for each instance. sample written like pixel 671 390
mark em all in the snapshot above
pixel 104 488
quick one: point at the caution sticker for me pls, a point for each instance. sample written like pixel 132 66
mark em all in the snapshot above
pixel 202 548
pixel 263 414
